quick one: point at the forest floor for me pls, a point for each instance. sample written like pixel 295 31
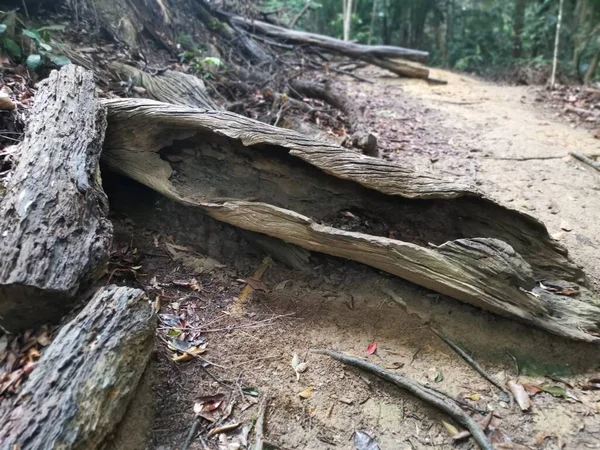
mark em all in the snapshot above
pixel 475 130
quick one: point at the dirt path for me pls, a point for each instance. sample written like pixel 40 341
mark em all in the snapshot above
pixel 489 133
pixel 345 306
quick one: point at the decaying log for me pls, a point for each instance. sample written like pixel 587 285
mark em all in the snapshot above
pixel 351 49
pixel 55 234
pixel 85 379
pixel 361 136
pixel 170 86
pixel 316 195
pixel 398 60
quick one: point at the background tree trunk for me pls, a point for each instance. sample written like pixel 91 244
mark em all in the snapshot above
pixel 556 44
pixel 347 19
pixel 518 23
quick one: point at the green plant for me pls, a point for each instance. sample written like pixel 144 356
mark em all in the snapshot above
pixel 7 44
pixel 208 66
pixel 45 54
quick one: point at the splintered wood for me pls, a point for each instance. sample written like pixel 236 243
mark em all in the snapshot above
pixel 432 231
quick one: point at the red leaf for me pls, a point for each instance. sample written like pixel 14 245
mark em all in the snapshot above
pixel 371 348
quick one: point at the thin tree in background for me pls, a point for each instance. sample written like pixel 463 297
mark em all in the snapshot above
pixel 347 18
pixel 518 24
pixel 372 27
pixel 556 42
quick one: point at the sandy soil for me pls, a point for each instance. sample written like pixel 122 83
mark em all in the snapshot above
pixel 464 128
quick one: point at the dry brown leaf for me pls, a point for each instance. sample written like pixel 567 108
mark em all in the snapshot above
pixel 307 393
pixel 520 395
pixel 531 389
pixel 473 396
pixel 540 438
pixel 451 429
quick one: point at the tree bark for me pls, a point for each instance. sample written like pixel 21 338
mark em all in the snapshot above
pixel 171 86
pixel 428 230
pixel 589 73
pixel 518 23
pixel 53 220
pixel 347 19
pixel 556 44
pixel 85 379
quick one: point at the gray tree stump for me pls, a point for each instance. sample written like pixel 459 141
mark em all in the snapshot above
pixel 86 378
pixel 55 236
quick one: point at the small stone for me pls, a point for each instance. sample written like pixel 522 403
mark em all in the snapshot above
pixel 558 236
pixel 6 103
pixel 564 225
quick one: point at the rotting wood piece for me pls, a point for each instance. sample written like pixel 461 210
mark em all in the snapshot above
pixel 170 86
pixel 361 136
pixel 85 379
pixel 55 235
pixel 421 227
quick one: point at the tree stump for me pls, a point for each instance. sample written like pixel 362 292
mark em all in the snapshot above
pixel 86 378
pixel 53 220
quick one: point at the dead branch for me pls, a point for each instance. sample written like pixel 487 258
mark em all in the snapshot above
pixel 443 403
pixel 293 22
pixel 260 424
pixel 490 258
pixel 361 136
pixel 585 159
pixel 471 362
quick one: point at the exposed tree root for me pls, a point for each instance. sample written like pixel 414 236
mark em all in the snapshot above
pixel 434 398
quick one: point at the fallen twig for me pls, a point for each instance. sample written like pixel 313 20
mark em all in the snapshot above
pixel 442 402
pixel 484 424
pixel 191 434
pixel 586 159
pixel 260 424
pixel 471 362
pixel 525 158
pixel 223 429
pixel 350 74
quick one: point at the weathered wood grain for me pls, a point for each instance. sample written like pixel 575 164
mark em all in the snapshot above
pixel 54 232
pixel 436 233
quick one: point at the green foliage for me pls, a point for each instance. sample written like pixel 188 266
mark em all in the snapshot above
pixel 45 55
pixel 38 39
pixel 208 66
pixel 7 44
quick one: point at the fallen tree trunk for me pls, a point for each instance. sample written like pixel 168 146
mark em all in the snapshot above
pixel 53 220
pixel 84 381
pixel 350 49
pixel 394 59
pixel 426 229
